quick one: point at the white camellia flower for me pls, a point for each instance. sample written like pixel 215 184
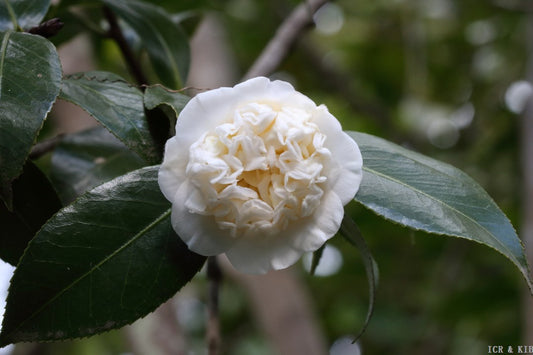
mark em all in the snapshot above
pixel 258 172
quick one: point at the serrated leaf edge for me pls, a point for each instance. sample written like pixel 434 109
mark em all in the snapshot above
pixel 118 250
pixel 126 143
pixel 3 48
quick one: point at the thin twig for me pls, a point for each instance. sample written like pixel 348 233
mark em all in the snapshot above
pixel 158 123
pixel 116 34
pixel 45 146
pixel 214 275
pixel 285 37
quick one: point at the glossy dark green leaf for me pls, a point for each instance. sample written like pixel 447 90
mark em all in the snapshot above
pixel 87 159
pixel 30 78
pixel 26 13
pixel 351 233
pixel 425 194
pixel 166 44
pixel 106 260
pixel 116 104
pixel 158 95
pixel 34 202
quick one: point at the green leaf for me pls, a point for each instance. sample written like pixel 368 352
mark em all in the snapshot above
pixel 165 42
pixel 30 78
pixel 25 13
pixel 351 233
pixel 317 256
pixel 106 260
pixel 87 159
pixel 34 202
pixel 116 104
pixel 158 95
pixel 424 194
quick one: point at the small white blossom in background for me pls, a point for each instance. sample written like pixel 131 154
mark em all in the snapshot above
pixel 258 172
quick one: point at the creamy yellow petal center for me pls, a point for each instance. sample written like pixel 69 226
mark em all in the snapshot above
pixel 259 171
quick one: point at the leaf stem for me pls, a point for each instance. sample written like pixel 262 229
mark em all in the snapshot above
pixel 317 255
pixel 3 53
pixel 352 234
pixel 214 275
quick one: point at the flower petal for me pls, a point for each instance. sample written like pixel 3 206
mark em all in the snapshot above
pixel 259 254
pixel 211 108
pixel 321 226
pixel 172 172
pixel 349 172
pixel 201 233
pixel 346 176
pixel 259 172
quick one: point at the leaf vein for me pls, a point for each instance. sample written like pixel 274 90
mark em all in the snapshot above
pixel 388 177
pixel 91 270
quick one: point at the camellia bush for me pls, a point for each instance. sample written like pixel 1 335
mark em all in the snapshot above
pixel 258 172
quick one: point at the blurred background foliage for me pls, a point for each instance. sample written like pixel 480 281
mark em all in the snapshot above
pixel 443 77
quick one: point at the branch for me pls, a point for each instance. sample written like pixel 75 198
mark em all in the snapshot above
pixel 48 28
pixel 44 147
pixel 116 34
pixel 158 122
pixel 285 37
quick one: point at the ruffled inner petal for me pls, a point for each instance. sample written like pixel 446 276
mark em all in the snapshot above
pixel 260 171
pixel 259 255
